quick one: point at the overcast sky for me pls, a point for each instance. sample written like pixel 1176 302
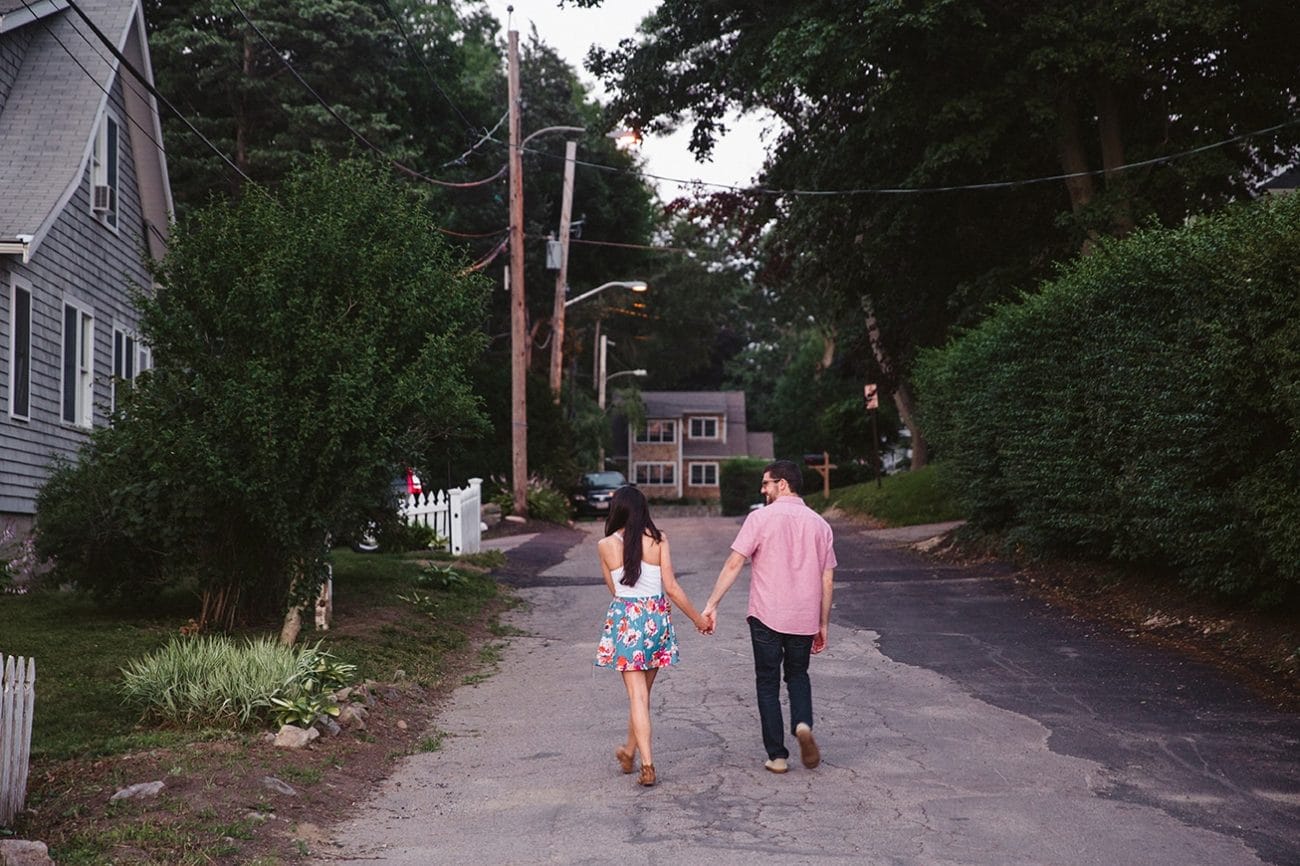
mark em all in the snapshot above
pixel 572 31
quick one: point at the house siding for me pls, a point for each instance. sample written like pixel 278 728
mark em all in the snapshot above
pixel 84 261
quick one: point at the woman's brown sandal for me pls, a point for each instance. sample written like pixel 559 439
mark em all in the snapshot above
pixel 647 776
pixel 624 759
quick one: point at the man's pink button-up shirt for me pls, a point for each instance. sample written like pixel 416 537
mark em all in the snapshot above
pixel 789 546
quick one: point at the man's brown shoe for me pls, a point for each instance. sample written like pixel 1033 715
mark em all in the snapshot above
pixel 808 751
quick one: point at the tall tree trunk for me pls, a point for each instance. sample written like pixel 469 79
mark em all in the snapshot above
pixel 1110 126
pixel 1074 159
pixel 903 398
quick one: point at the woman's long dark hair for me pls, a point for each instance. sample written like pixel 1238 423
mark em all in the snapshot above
pixel 629 512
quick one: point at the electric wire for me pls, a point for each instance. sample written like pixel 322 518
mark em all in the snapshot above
pixel 405 169
pixel 103 38
pixel 135 73
pixel 420 57
pixel 924 190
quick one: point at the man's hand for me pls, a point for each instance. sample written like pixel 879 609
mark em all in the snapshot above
pixel 819 642
pixel 710 615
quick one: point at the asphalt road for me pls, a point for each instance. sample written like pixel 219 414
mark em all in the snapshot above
pixel 959 724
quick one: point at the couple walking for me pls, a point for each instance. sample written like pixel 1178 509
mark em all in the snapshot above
pixel 793 563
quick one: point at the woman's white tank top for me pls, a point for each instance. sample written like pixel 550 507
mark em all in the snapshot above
pixel 651 582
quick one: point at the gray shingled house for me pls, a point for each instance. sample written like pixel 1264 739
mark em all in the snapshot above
pixel 84 198
pixel 687 436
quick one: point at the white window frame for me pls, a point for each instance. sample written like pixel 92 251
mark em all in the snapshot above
pixel 670 424
pixel 130 358
pixel 703 466
pixel 83 408
pixel 16 286
pixel 106 169
pixel 665 467
pixel 717 427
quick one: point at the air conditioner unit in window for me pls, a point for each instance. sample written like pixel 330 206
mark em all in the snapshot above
pixel 102 199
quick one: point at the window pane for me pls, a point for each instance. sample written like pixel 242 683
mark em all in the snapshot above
pixel 20 377
pixel 70 350
pixel 117 354
pixel 130 358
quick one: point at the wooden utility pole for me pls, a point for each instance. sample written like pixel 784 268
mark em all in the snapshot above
pixel 561 279
pixel 518 325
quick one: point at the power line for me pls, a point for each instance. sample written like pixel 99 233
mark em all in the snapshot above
pixel 990 185
pixel 334 114
pixel 420 57
pixel 153 91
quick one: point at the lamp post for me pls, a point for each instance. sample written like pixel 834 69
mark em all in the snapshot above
pixel 604 378
pixel 634 285
pixel 558 324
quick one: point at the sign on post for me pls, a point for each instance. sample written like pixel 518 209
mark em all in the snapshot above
pixel 870 398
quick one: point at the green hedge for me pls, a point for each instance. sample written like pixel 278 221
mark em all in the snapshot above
pixel 739 480
pixel 1142 407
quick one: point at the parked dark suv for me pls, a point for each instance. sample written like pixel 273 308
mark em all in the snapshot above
pixel 592 493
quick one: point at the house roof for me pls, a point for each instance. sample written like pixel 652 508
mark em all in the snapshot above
pixel 1287 180
pixel 673 404
pixel 48 119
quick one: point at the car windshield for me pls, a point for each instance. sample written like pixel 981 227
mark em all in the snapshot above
pixel 606 479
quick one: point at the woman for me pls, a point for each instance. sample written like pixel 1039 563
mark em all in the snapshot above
pixel 638 638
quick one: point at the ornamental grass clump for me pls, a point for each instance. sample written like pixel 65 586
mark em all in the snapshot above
pixel 221 681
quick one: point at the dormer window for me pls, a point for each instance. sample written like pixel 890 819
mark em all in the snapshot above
pixel 104 172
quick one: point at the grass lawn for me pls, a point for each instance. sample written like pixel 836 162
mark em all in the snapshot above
pixel 86 743
pixel 902 499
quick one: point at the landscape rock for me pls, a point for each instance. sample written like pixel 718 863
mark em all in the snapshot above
pixel 327 726
pixel 142 791
pixel 353 716
pixel 279 786
pixel 21 852
pixel 294 737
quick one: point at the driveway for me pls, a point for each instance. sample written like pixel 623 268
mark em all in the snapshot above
pixel 959 724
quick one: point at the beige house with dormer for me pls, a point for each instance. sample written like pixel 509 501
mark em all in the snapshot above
pixel 687 436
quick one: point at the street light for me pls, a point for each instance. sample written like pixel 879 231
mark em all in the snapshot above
pixel 606 379
pixel 601 398
pixel 634 285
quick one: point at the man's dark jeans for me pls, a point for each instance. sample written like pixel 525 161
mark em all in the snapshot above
pixel 772 651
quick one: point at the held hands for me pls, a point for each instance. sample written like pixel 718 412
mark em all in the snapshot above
pixel 708 620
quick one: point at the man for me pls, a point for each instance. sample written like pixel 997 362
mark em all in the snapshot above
pixel 793 568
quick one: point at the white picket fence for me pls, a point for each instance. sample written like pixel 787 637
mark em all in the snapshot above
pixel 17 695
pixel 453 514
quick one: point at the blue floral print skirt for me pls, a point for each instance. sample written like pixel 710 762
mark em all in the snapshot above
pixel 638 635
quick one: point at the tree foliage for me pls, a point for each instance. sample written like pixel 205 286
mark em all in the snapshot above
pixel 942 93
pixel 1144 406
pixel 307 346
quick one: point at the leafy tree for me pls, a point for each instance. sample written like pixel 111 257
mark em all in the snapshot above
pixel 307 346
pixel 937 93
pixel 369 61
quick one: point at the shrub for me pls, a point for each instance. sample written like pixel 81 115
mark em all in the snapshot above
pixel 545 501
pixel 1144 406
pixel 739 480
pixel 220 681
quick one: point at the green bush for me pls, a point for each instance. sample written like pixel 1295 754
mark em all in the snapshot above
pixel 1143 407
pixel 902 499
pixel 215 680
pixel 305 344
pixel 739 483
pixel 545 501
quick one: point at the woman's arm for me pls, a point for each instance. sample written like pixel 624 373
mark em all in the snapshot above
pixel 603 550
pixel 674 590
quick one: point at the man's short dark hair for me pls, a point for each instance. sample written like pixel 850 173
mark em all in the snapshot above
pixel 787 470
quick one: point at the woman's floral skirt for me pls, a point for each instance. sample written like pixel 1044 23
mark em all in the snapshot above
pixel 638 635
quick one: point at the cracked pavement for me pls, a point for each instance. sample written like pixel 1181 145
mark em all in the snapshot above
pixel 959 724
